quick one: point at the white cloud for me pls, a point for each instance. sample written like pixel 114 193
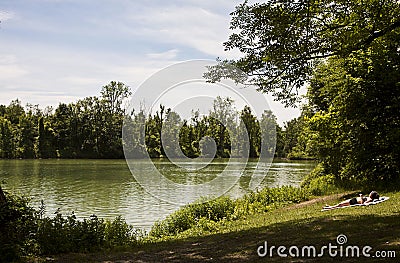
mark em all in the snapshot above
pixel 49 70
pixel 11 72
pixel 6 15
pixel 167 55
pixel 7 59
pixel 9 67
pixel 191 26
pixel 71 52
pixel 79 81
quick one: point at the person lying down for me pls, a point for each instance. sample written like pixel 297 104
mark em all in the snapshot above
pixel 361 200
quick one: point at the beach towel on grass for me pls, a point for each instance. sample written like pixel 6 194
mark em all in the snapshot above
pixel 374 202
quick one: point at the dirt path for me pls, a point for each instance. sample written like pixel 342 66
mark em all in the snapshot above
pixel 323 199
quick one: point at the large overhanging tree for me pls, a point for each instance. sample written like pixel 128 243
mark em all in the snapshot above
pixel 283 40
pixel 348 53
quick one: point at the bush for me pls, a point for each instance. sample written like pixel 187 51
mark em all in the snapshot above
pixel 267 199
pixel 61 235
pixel 189 215
pixel 318 183
pixel 17 227
pixel 204 215
pixel 120 234
pixel 24 231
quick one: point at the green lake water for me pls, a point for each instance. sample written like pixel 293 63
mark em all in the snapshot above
pixel 108 189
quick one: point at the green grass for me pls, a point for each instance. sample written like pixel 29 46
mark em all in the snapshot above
pixel 377 226
pixel 209 215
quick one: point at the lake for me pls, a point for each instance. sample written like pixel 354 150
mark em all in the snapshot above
pixel 108 189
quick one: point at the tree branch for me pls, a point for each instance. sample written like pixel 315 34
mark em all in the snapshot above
pixel 376 34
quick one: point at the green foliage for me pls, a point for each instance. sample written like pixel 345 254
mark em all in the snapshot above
pixel 267 199
pixel 17 227
pixel 24 232
pixel 356 121
pixel 67 234
pixel 282 41
pixel 61 235
pixel 205 215
pixel 92 128
pixel 189 215
pixel 118 233
pixel 299 138
pixel 227 131
pixel 318 183
pixel 89 128
pixel 348 51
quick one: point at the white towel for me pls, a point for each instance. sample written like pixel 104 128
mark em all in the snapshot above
pixel 374 202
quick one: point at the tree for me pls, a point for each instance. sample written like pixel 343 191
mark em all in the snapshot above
pixel 188 141
pixel 299 138
pixel 253 130
pixel 348 51
pixel 170 135
pixel 45 140
pixel 27 134
pixel 61 121
pixel 280 142
pixel 113 94
pixel 292 133
pixel 14 111
pixel 356 120
pixel 222 120
pixel 135 135
pixel 282 40
pixel 268 136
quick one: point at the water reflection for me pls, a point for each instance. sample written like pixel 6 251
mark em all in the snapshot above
pixel 107 188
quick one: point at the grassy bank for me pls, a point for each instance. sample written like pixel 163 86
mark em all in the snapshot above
pixel 26 232
pixel 299 224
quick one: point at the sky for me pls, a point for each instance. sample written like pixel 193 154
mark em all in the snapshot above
pixel 54 51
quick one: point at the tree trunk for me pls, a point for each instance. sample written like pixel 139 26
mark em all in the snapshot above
pixel 3 199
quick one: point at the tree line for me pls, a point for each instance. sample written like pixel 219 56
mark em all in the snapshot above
pixel 92 128
pixel 88 128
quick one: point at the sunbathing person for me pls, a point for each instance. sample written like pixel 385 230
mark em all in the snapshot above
pixel 356 200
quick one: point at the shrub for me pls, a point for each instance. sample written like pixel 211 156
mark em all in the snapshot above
pixel 17 228
pixel 322 185
pixel 204 215
pixel 61 235
pixel 120 234
pixel 318 183
pixel 267 199
pixel 189 215
pixel 25 231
